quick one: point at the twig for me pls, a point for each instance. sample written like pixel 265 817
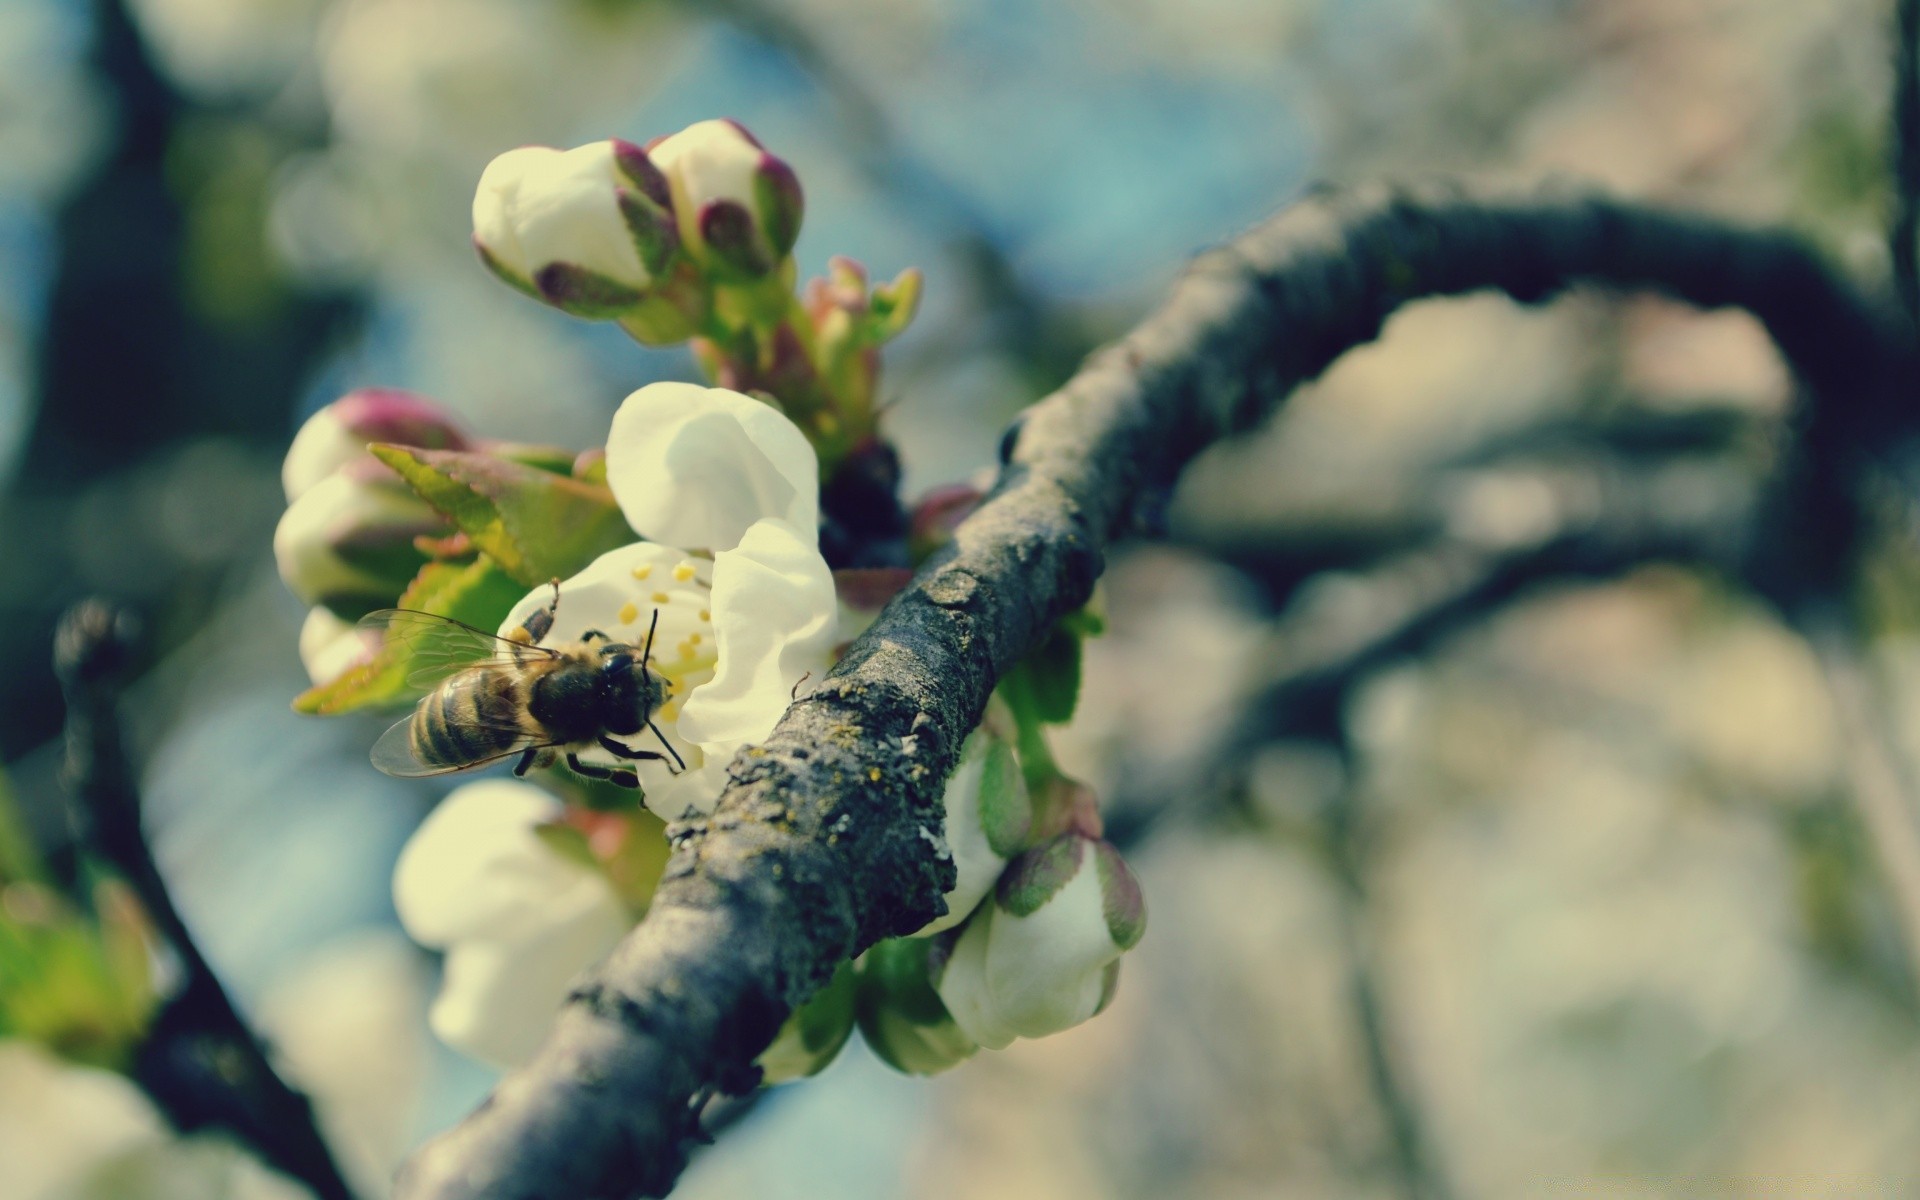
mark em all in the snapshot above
pixel 199 1061
pixel 820 843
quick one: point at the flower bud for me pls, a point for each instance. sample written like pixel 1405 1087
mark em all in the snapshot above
pixel 900 1014
pixel 339 433
pixel 738 207
pixel 588 230
pixel 813 1034
pixel 330 645
pixel 348 542
pixel 1043 955
pixel 988 815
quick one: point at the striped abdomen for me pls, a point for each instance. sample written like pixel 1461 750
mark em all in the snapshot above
pixel 470 718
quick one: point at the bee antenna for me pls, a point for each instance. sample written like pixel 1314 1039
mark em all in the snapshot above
pixel 554 608
pixel 647 651
pixel 667 744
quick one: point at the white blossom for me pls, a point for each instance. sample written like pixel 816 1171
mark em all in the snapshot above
pixel 517 919
pixel 727 489
pixel 1043 955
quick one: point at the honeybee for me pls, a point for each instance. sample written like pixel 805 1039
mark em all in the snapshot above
pixel 495 697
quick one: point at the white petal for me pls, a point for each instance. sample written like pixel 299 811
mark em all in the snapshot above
pixel 963 986
pixel 329 645
pixel 325 514
pixel 58 1120
pixel 537 206
pixel 774 616
pixel 499 996
pixel 619 594
pixel 323 445
pixel 976 866
pixel 696 467
pixel 1044 971
pixel 475 868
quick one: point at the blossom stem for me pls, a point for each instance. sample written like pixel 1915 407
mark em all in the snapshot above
pixel 817 848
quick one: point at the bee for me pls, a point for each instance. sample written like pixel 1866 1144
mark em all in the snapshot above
pixel 496 697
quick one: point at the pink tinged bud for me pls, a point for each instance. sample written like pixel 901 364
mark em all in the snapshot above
pixel 580 229
pixel 739 208
pixel 337 436
pixel 330 645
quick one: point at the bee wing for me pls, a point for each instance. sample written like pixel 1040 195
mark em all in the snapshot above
pixel 440 647
pixel 393 753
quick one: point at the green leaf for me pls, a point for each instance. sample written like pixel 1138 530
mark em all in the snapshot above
pixel 480 593
pixel 536 524
pixel 901 1016
pixel 19 859
pixel 813 1033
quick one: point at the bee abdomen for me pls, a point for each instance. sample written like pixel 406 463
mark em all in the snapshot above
pixel 465 721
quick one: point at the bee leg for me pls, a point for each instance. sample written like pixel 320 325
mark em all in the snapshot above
pixel 629 752
pixel 617 776
pixel 526 760
pixel 591 634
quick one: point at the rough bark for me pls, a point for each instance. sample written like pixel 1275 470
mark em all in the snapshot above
pixel 822 843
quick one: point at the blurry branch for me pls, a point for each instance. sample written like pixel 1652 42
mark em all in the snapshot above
pixel 1879 777
pixel 1591 521
pixel 1904 232
pixel 821 842
pixel 199 1062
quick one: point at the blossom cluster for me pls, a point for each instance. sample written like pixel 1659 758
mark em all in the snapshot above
pixel 694 536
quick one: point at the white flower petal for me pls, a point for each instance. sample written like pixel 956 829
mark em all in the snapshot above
pixel 706 162
pixel 1045 970
pixel 775 616
pixel 537 206
pixel 696 467
pixel 976 865
pixel 499 996
pixel 475 868
pixel 963 986
pixel 330 645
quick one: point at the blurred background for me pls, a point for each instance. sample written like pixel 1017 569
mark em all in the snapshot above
pixel 1496 842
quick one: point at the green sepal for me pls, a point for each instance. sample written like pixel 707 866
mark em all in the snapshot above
pixel 1045 685
pixel 891 307
pixel 552 459
pixel 814 1033
pixel 536 524
pixel 901 1016
pixel 1038 875
pixel 478 593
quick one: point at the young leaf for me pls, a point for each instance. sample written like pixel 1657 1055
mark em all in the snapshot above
pixel 479 593
pixel 536 524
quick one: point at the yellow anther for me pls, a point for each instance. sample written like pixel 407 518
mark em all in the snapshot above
pixel 706 614
pixel 643 570
pixel 670 711
pixel 683 572
pixel 687 650
pixel 693 639
pixel 661 597
pixel 629 613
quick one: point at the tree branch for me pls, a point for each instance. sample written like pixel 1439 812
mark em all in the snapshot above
pixel 199 1062
pixel 820 845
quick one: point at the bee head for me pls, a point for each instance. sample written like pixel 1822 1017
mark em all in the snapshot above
pixel 627 690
